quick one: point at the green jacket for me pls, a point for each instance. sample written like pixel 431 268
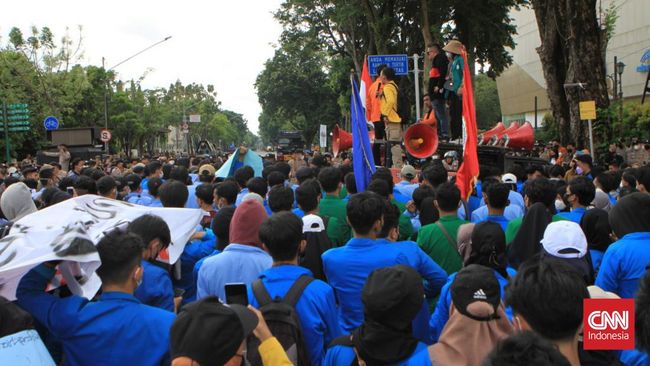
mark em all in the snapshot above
pixel 437 246
pixel 405 226
pixel 514 225
pixel 333 206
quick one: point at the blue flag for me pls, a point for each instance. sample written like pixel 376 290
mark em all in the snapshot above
pixel 362 159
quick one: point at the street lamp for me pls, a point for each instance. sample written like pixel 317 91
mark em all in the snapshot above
pixel 106 80
pixel 619 68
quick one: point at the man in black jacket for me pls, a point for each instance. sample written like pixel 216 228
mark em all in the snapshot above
pixel 437 76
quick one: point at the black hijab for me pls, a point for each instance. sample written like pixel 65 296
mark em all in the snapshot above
pixel 595 225
pixel 631 215
pixel 428 212
pixel 489 247
pixel 527 241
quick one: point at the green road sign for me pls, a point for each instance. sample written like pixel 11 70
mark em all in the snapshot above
pixel 19 123
pixel 18 129
pixel 17 111
pixel 20 117
pixel 17 106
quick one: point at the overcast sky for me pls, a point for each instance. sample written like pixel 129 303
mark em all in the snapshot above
pixel 222 42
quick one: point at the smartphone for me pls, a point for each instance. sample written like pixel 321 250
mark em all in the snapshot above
pixel 236 293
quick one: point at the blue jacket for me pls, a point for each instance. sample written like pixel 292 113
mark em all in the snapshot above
pixel 348 267
pixel 193 252
pixel 298 212
pixel 238 263
pixel 191 197
pixel 480 214
pixel 441 314
pixel 240 196
pixel 405 188
pixel 574 215
pixel 117 328
pixel 155 203
pixel 342 355
pixel 499 219
pixel 316 308
pixel 156 287
pixel 142 199
pixel 197 266
pixel 624 264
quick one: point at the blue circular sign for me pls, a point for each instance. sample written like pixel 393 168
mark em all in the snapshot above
pixel 51 123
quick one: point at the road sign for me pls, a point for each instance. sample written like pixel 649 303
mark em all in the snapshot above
pixel 51 123
pixel 588 110
pixel 19 123
pixel 399 63
pixel 18 129
pixel 195 118
pixel 105 136
pixel 17 106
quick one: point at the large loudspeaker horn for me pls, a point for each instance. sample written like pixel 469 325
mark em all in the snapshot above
pixel 498 138
pixel 341 140
pixel 522 138
pixel 484 138
pixel 421 140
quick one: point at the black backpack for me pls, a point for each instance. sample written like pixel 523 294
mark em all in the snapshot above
pixel 281 317
pixel 403 105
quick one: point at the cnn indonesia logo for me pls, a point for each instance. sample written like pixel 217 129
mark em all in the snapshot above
pixel 608 324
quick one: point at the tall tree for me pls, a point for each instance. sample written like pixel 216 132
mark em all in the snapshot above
pixel 571 53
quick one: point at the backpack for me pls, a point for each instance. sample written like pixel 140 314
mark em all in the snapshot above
pixel 283 321
pixel 403 106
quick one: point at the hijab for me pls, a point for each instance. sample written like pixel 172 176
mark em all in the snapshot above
pixel 16 202
pixel 631 214
pixel 465 341
pixel 428 212
pixel 595 224
pixel 526 243
pixel 246 222
pixel 489 247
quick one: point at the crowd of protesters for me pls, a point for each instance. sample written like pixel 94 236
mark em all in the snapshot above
pixel 403 273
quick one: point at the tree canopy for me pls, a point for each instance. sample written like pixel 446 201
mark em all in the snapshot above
pixel 48 76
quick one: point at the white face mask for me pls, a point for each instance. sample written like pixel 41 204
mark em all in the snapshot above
pixel 559 205
pixel 579 170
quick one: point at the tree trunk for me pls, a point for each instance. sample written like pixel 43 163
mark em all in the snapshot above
pixel 571 53
pixel 428 40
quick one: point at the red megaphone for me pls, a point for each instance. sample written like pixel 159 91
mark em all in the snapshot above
pixel 484 138
pixel 498 138
pixel 341 140
pixel 522 138
pixel 421 141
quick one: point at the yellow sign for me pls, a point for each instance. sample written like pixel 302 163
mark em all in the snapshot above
pixel 588 110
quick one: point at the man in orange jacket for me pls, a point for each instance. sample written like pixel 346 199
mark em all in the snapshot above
pixel 373 114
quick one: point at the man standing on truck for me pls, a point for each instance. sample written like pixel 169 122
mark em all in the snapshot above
pixel 63 154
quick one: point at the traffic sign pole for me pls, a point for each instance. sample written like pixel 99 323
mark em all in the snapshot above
pixel 416 72
pixel 5 122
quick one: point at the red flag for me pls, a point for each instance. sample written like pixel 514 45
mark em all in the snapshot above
pixel 364 85
pixel 468 172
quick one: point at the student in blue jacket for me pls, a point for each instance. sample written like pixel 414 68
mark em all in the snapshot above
pixel 156 288
pixel 316 307
pixel 488 248
pixel 625 261
pixel 348 267
pixel 117 327
pixel 579 193
pixel 391 299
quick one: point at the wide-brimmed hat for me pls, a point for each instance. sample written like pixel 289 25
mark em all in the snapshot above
pixel 454 46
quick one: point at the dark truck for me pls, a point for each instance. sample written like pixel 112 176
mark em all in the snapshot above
pixel 288 141
pixel 82 142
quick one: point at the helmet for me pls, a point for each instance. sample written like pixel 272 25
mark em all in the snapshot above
pixel 451 154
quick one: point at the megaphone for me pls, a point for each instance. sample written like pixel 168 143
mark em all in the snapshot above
pixel 522 138
pixel 484 138
pixel 421 141
pixel 341 140
pixel 498 138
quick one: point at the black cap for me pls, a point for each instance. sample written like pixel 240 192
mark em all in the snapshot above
pixel 210 332
pixel 138 169
pixel 304 173
pixel 133 181
pixel 29 169
pixel 475 283
pixel 393 296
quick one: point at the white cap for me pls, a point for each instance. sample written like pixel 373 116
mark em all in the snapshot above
pixel 12 170
pixel 253 196
pixel 509 178
pixel 312 224
pixel 562 235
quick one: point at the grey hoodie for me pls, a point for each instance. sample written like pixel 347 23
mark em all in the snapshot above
pixel 16 202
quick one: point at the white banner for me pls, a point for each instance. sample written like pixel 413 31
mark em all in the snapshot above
pixel 195 118
pixel 70 230
pixel 323 136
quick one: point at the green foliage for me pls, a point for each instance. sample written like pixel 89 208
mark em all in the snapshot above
pixel 550 130
pixel 486 98
pixel 48 77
